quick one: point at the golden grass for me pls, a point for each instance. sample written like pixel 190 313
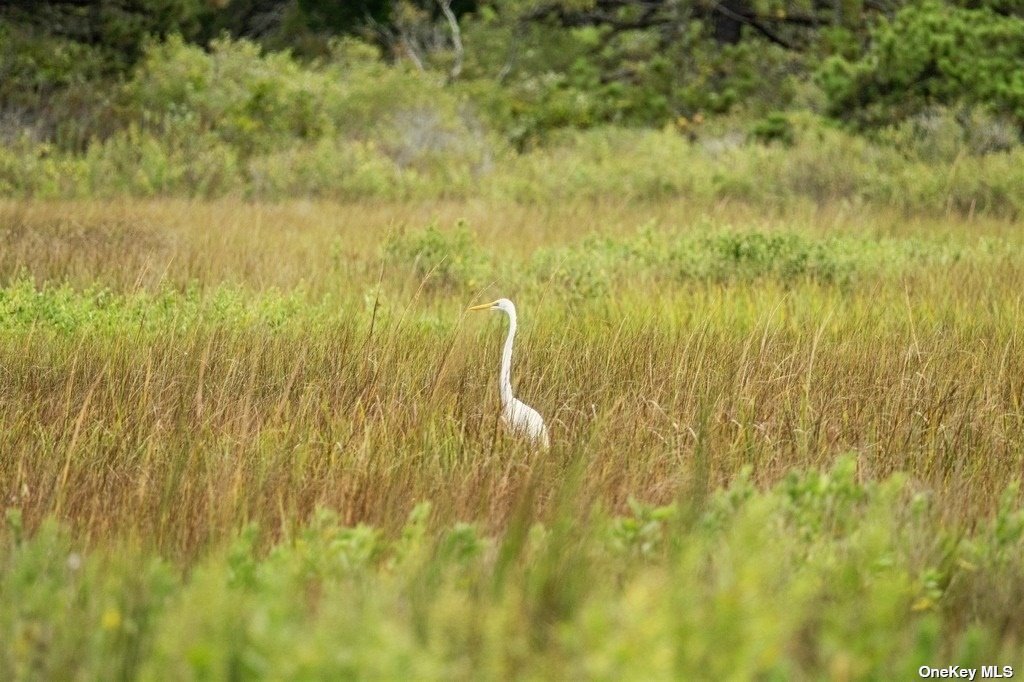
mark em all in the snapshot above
pixel 368 399
pixel 125 244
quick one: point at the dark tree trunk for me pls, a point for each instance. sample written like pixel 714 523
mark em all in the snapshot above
pixel 726 21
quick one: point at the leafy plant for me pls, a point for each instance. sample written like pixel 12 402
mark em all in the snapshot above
pixel 446 260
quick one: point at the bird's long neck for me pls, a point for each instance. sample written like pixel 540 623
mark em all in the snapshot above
pixel 505 376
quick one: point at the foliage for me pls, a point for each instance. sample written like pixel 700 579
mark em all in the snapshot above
pixel 727 255
pixel 544 108
pixel 773 128
pixel 264 76
pixel 50 89
pixel 446 260
pixel 248 101
pixel 116 29
pixel 258 103
pixel 557 78
pixel 911 169
pixel 257 437
pixel 941 135
pixel 655 599
pixel 931 53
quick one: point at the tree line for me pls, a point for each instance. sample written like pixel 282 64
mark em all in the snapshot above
pixel 545 64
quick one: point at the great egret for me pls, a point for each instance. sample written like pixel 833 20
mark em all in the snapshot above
pixel 520 418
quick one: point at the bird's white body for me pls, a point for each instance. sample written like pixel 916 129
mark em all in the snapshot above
pixel 523 420
pixel 518 417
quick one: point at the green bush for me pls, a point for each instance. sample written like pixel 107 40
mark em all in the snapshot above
pixel 941 135
pixel 340 169
pixel 139 163
pixel 583 272
pixel 773 128
pixel 251 101
pixel 823 165
pixel 718 256
pixel 590 269
pixel 817 576
pixel 98 311
pixel 445 260
pixel 38 169
pixel 387 125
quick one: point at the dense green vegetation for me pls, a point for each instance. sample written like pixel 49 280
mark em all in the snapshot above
pixel 917 105
pixel 820 576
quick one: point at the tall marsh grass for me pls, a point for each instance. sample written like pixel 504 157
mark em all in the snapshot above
pixel 783 444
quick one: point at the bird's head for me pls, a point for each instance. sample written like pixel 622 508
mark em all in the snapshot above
pixel 501 304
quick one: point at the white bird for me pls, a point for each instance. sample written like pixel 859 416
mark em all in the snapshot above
pixel 520 418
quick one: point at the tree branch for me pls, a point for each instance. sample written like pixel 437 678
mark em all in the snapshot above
pixel 453 24
pixel 657 13
pixel 754 24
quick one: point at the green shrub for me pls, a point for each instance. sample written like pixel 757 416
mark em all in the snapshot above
pixel 257 103
pixel 752 255
pixel 941 135
pixel 773 128
pixel 251 101
pixel 337 169
pixel 53 90
pixel 139 163
pixel 587 270
pixel 40 170
pixel 445 260
pixel 973 169
pixel 818 574
pixel 98 311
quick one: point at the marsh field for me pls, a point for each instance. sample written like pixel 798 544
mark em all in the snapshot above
pixel 768 261
pixel 261 440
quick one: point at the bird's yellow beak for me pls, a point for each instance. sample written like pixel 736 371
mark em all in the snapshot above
pixel 483 306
